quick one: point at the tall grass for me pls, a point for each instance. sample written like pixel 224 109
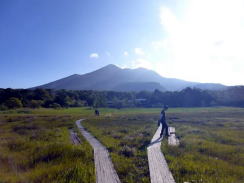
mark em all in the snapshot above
pixel 126 137
pixel 211 147
pixel 211 143
pixel 38 149
pixel 35 144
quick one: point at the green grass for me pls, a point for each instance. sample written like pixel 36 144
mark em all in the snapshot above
pixel 88 111
pixel 50 111
pixel 37 148
pixel 35 144
pixel 211 148
pixel 126 138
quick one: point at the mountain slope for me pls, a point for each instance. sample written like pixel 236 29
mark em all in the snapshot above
pixel 112 77
pixel 139 86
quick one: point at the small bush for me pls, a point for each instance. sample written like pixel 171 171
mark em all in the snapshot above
pixel 55 106
pixel 3 107
pixel 127 151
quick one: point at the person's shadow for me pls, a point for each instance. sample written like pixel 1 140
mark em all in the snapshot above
pixel 156 141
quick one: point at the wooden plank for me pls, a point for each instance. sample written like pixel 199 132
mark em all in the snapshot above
pixel 105 172
pixel 74 137
pixel 159 171
pixel 171 130
pixel 172 140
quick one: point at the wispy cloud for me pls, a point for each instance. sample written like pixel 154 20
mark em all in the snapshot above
pixel 126 53
pixel 139 51
pixel 94 55
pixel 140 62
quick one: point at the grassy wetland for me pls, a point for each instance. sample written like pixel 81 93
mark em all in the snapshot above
pixel 35 145
pixel 211 143
pixel 212 146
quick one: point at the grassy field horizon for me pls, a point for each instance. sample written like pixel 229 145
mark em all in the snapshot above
pixel 90 110
pixel 35 145
pixel 211 143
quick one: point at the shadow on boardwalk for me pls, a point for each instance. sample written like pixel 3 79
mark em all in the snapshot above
pixel 159 171
pixel 157 141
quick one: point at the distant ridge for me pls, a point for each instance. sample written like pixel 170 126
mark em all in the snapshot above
pixel 114 78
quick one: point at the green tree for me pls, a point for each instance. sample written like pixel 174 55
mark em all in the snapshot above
pixel 35 103
pixel 3 107
pixel 13 102
pixel 55 106
pixel 41 94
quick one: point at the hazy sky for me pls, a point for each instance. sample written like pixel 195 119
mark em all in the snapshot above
pixel 195 40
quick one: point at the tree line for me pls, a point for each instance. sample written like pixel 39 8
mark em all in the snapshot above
pixel 188 97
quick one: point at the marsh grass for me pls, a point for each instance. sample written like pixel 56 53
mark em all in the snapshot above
pixel 126 138
pixel 35 144
pixel 211 143
pixel 37 148
pixel 211 148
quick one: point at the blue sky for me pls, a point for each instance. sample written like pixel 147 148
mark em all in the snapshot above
pixel 43 40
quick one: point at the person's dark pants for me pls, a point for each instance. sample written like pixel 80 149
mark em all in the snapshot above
pixel 166 128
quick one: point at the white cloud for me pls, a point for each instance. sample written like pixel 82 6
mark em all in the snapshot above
pixel 126 53
pixel 205 43
pixel 168 20
pixel 124 66
pixel 139 51
pixel 94 55
pixel 140 62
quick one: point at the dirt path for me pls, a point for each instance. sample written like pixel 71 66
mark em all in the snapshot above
pixel 105 172
pixel 159 171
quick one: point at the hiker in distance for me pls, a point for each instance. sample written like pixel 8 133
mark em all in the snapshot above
pixel 97 113
pixel 162 120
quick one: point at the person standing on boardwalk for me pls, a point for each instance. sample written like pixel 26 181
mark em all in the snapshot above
pixel 162 120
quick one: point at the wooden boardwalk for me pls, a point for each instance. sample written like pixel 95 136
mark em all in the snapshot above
pixel 159 171
pixel 74 137
pixel 105 172
pixel 173 141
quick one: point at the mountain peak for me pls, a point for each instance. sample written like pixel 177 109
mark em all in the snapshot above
pixel 111 66
pixel 75 75
pixel 112 77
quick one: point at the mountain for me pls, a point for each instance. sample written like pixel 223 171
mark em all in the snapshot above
pixel 114 78
pixel 139 86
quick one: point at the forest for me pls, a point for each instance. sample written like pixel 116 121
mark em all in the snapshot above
pixel 188 97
